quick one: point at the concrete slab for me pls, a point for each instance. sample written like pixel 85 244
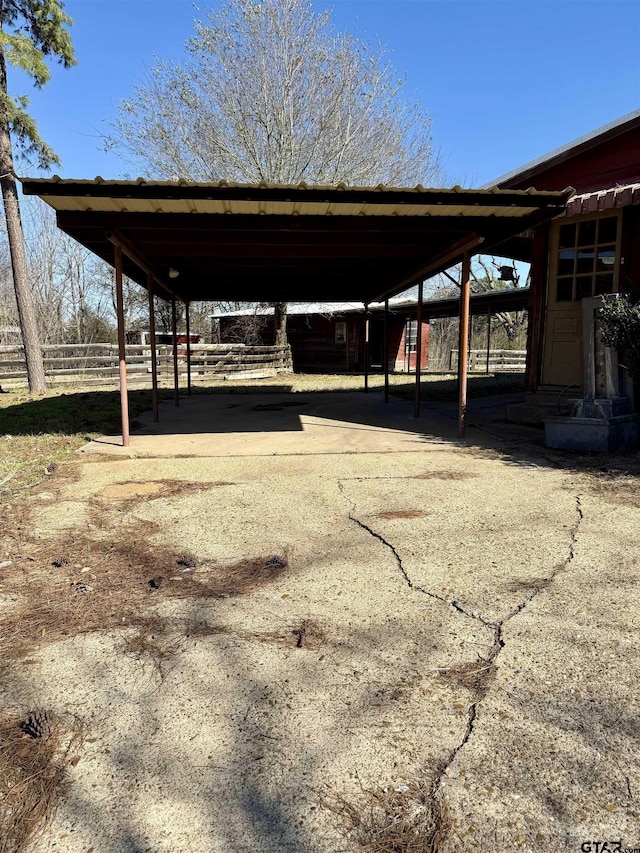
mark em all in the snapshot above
pixel 262 424
pixel 309 423
pixel 471 626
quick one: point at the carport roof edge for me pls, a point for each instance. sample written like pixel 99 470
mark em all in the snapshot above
pixel 270 242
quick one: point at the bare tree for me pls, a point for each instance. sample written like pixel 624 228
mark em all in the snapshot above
pixel 269 91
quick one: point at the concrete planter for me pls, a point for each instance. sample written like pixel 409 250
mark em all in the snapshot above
pixel 600 435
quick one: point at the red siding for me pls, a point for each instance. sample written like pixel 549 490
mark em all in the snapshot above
pixel 612 162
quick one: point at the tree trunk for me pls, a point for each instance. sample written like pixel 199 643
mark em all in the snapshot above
pixel 24 294
pixel 280 324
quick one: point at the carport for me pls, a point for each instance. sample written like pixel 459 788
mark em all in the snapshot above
pixel 272 243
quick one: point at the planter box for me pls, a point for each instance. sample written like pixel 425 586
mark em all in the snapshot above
pixel 599 435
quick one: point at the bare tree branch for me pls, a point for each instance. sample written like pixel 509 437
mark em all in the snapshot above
pixel 269 91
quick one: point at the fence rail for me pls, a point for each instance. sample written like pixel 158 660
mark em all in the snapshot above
pixel 495 361
pixel 99 363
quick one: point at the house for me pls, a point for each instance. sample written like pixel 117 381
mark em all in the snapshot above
pixel 330 336
pixel 590 250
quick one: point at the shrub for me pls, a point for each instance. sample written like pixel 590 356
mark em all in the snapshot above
pixel 620 328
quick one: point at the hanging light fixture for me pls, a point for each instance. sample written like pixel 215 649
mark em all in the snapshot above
pixel 173 273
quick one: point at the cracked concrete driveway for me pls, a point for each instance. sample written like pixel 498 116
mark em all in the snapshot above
pixel 458 615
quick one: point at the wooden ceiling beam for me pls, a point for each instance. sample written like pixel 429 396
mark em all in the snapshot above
pixel 223 252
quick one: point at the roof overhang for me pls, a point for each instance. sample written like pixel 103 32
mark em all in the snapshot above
pixel 271 243
pixel 609 199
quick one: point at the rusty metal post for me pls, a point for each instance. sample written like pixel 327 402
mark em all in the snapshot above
pixel 386 350
pixel 174 325
pixel 416 407
pixel 366 349
pixel 122 352
pixel 154 354
pixel 465 290
pixel 186 308
pixel 488 334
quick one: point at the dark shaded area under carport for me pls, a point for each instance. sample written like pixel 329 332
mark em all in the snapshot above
pixel 275 243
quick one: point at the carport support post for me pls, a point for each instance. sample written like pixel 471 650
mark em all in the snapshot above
pixel 122 352
pixel 416 407
pixel 174 324
pixel 488 333
pixel 186 310
pixel 463 351
pixel 366 349
pixel 386 350
pixel 154 356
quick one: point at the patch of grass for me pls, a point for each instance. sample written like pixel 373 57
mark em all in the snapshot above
pixel 444 387
pixel 37 432
pixel 70 414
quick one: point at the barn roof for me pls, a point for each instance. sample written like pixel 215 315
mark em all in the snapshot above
pixel 271 243
pixel 509 299
pixel 529 171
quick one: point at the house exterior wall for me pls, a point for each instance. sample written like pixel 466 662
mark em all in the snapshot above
pixel 630 269
pixel 405 361
pixel 321 344
pixel 610 163
pixel 336 344
pixel 603 164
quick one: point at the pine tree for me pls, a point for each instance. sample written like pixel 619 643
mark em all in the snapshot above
pixel 31 31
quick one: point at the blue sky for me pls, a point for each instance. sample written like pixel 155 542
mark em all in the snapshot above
pixel 504 81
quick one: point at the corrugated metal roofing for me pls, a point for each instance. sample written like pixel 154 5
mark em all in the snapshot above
pixel 280 243
pixel 623 196
pixel 142 196
pixel 304 308
pixel 509 299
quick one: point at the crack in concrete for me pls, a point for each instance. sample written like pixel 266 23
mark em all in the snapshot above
pixel 495 626
pixel 499 642
pixel 452 603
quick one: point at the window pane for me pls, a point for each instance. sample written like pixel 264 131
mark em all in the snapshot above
pixel 565 262
pixel 584 285
pixel 606 259
pixel 567 237
pixel 411 335
pixel 604 284
pixel 565 290
pixel 608 230
pixel 587 233
pixel 585 261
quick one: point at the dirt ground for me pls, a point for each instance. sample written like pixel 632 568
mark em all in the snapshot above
pixel 326 627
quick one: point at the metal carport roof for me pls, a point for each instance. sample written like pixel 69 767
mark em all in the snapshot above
pixel 275 243
pixel 272 243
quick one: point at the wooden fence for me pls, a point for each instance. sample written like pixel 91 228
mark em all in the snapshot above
pixel 498 360
pixel 99 364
